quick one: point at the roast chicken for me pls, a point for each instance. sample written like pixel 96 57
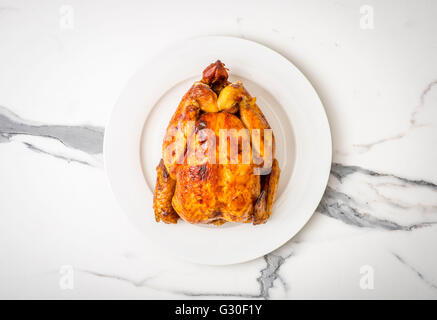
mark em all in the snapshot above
pixel 218 161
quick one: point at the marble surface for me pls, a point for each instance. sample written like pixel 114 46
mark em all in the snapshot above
pixel 60 78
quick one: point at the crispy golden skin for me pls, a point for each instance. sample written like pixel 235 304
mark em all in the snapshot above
pixel 207 192
pixel 236 96
pixel 199 97
pixel 264 203
pixel 215 187
pixel 164 191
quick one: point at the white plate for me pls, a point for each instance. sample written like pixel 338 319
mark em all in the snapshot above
pixel 133 137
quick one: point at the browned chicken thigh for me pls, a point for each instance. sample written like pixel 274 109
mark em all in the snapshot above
pixel 218 156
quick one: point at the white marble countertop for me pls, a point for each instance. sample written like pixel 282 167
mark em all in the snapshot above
pixel 61 71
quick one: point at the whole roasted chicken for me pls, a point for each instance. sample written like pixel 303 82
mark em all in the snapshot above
pixel 218 161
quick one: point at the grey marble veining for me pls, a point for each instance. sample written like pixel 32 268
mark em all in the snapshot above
pixel 418 273
pixel 266 280
pixel 269 274
pixel 39 150
pixel 344 207
pixel 56 208
pixel 135 283
pixel 4 138
pixel 341 171
pixel 340 206
pixel 335 203
pixel 413 123
pixel 88 139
